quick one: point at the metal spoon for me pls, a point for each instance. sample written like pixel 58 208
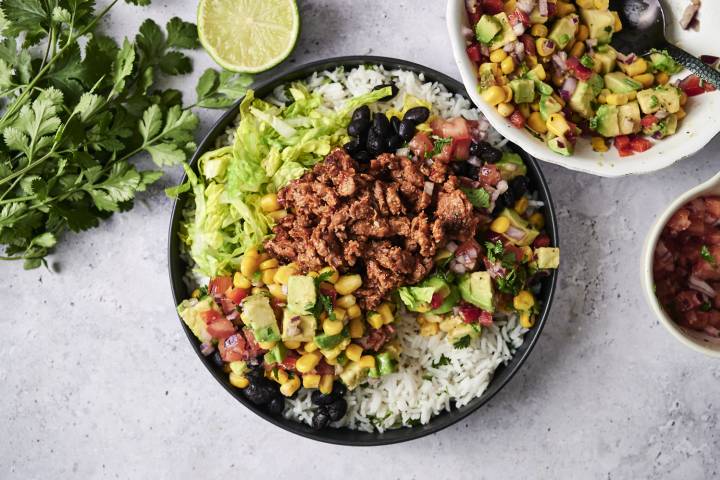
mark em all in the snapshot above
pixel 644 29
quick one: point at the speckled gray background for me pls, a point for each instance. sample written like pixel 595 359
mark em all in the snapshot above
pixel 98 380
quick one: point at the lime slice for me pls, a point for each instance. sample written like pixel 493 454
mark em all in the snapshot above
pixel 248 35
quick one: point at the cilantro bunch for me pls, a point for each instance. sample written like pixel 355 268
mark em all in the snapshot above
pixel 76 108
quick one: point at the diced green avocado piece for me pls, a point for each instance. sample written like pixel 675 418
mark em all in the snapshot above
pixel 298 328
pixel 487 75
pixel 663 62
pixel 511 166
pixel 548 106
pixel 487 28
pixel 547 257
pixel 596 84
pixel 275 354
pixel 448 303
pixel 301 295
pixel 607 59
pixel 419 297
pixel 649 101
pixel 353 374
pixel 506 35
pixel 520 224
pixel 476 288
pixel 665 127
pixel 666 97
pixel 606 121
pixel 326 342
pixel 543 88
pixel 560 145
pixel 534 74
pixel 564 30
pixel 190 311
pixel 601 24
pixel 259 316
pixel 618 82
pixel 629 118
pixel 581 100
pixel 385 363
pixel 523 90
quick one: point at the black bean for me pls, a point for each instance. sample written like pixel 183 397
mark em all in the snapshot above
pixel 464 169
pixel 321 419
pixel 375 143
pixel 395 90
pixel 276 405
pixel 353 145
pixel 358 127
pixel 486 152
pixel 519 186
pixel 339 389
pixel 260 392
pixel 381 124
pixel 395 124
pixel 394 143
pixel 362 156
pixel 217 359
pixel 337 409
pixel 406 130
pixel 319 398
pixel 417 115
pixel 509 198
pixel 361 113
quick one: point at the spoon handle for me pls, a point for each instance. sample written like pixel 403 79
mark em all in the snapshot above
pixel 694 64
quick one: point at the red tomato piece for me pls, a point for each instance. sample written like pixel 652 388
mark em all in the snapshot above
pixel 236 295
pixel 578 69
pixel 489 175
pixel 640 144
pixel 622 141
pixel 232 349
pixel 625 152
pixel 221 329
pixel 493 7
pixel 486 319
pixel 473 51
pixel 211 316
pixel 437 300
pixel 456 128
pixel 517 119
pixel 648 121
pixel 529 43
pixel 541 241
pixel 470 313
pixel 692 85
pixel 461 148
pixel 420 144
pixel 446 153
pixel 219 285
pixel 518 16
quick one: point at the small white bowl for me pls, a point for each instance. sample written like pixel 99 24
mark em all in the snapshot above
pixel 696 130
pixel 698 341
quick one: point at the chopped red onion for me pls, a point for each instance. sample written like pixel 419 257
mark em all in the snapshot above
pixel 515 233
pixel 689 14
pixel 712 331
pixel 509 48
pixel 591 42
pixel 451 247
pixel 526 5
pixel 575 19
pixel 429 187
pixel 232 316
pixel 701 286
pixel 518 28
pixel 284 289
pixel 485 50
pixel 709 59
pixel 560 61
pixel 207 349
pixel 475 161
pixel 660 114
pixel 569 86
pixel 457 268
pixel 468 33
pixel 626 59
pixel 543 8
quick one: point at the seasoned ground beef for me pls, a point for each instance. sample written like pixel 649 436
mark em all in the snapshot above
pixel 377 221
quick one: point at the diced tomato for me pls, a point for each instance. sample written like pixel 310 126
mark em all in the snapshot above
pixel 493 7
pixel 640 144
pixel 687 300
pixel 236 295
pixel 541 241
pixel 228 306
pixel 486 319
pixel 211 316
pixel 323 368
pixel 648 121
pixel 474 10
pixel 456 128
pixel 529 43
pixel 420 144
pixel 516 251
pixel 712 209
pixel 328 290
pixel 221 329
pixel 518 16
pixel 289 361
pixel 470 313
pixel 253 348
pixel 461 148
pixel 693 86
pixel 232 349
pixel 625 152
pixel 517 119
pixel 489 175
pixel 437 300
pixel 622 141
pixel 552 9
pixel 473 51
pixel 219 285
pixel 578 69
pixel 446 153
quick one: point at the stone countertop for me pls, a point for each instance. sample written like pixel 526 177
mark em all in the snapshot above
pixel 98 379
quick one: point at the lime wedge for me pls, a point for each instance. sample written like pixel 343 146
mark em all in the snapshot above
pixel 248 35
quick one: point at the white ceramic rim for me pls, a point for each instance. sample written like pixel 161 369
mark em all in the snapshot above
pixel 647 268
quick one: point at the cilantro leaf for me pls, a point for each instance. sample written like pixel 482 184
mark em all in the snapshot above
pixel 706 307
pixel 221 90
pixel 479 197
pixel 438 145
pixel 707 256
pixel 443 360
pixel 494 250
pixel 462 342
pixel 182 34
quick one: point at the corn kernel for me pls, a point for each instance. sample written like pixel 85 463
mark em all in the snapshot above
pixel 284 273
pixel 258 290
pixel 602 4
pixel 249 265
pixel 354 311
pixel 536 123
pixel 539 30
pixel 429 329
pixel 195 293
pixel 585 3
pixel 565 8
pixel 310 347
pixel 276 290
pixel 269 264
pixel 507 66
pixel 280 376
pixel 307 362
pixel 500 225
pixel 540 72
pixel 291 344
pixel 521 205
pixel 498 56
pixel 527 320
pixel 326 384
pixel 333 277
pixel 340 314
pixel 269 203
pixel 346 301
pixel 662 78
pixel 535 106
pixel 347 284
pixel 683 98
pixel 616 99
pixel 638 67
pixel 537 220
pixel 681 114
pixel 268 276
pixel 508 94
pixel 386 312
pixel 239 281
pixel 523 301
pixel 354 352
pixel 367 361
pixel 357 329
pixel 545 47
pixel 333 353
pixel 311 380
pixel 493 95
pixel 277 214
pixel 290 387
pixel 375 319
pixel 239 381
pixel 646 79
pixel 583 33
pixel 631 95
pixel 599 145
pixel 313 274
pixel 618 26
pixel 578 49
pixel 448 324
pixel 267 345
pixel 332 327
pixel 505 109
pixel 557 125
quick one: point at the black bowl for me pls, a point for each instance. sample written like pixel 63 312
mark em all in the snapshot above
pixel 345 436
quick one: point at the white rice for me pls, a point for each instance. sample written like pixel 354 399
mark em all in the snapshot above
pixel 422 387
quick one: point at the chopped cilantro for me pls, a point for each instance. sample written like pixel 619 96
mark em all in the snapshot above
pixel 438 146
pixel 564 38
pixel 512 282
pixel 587 61
pixel 443 360
pixel 706 307
pixel 203 291
pixel 494 250
pixel 707 256
pixel 462 342
pixel 479 197
pixel 654 102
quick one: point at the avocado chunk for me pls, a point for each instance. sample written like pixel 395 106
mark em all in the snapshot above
pixel 275 354
pixel 605 121
pixel 596 84
pixel 523 90
pixel 259 316
pixel 298 328
pixel 663 62
pixel 486 28
pixel 326 342
pixel 487 75
pixel 448 303
pixel 301 295
pixel 663 128
pixel 535 16
pixel 581 100
pixel 191 313
pixel 534 74
pixel 519 223
pixel 506 35
pixel 353 374
pixel 560 145
pixel 543 88
pixel 564 30
pixel 419 297
pixel 476 288
pixel 548 106
pixel 666 97
pixel 606 58
pixel 629 118
pixel 511 166
pixel 601 24
pixel 618 82
pixel 385 363
pixel 547 257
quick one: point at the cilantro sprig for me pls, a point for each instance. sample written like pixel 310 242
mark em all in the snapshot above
pixel 707 256
pixel 324 302
pixel 438 145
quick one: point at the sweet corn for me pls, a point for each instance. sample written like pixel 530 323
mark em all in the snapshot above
pixel 505 109
pixel 557 125
pixel 239 281
pixel 537 220
pixel 307 362
pixel 616 99
pixel 540 72
pixel 332 327
pixel 347 284
pixel 326 384
pixel 290 387
pixel 535 106
pixel 340 314
pixel 537 30
pixel 311 380
pixel 332 278
pixel 662 78
pixel 291 344
pixel 527 320
pixel 507 66
pixel 578 49
pixel 375 319
pixel 545 47
pixel 583 33
pixel 354 352
pixel 386 312
pixel 500 225
pixel 354 312
pixel 618 23
pixel 267 345
pixel 429 329
pixel 521 205
pixel 310 347
pixel 269 203
pixel 367 361
pixel 536 123
pixel 523 301
pixel 268 276
pixel 334 352
pixel 284 273
pixel 313 274
pixel 448 324
pixel 357 329
pixel 508 93
pixel 558 99
pixel 269 264
pixel 585 3
pixel 564 9
pixel 346 301
pixel 195 293
pixel 681 114
pixel 239 381
pixel 277 214
pixel 276 290
pixel 599 145
pixel 683 98
pixel 498 56
pixel 638 67
pixel 602 98
pixel 493 95
pixel 631 95
pixel 249 265
pixel 280 376
pixel 258 290
pixel 646 79
pixel 602 4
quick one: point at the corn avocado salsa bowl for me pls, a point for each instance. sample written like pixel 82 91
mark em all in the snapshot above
pixel 406 308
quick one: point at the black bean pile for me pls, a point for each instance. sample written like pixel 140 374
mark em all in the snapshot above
pixel 263 392
pixel 331 407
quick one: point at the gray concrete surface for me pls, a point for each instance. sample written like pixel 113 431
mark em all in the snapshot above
pixel 98 380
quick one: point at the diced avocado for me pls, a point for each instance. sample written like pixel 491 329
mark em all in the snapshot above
pixel 564 30
pixel 663 62
pixel 259 316
pixel 581 100
pixel 601 24
pixel 535 16
pixel 461 335
pixel 665 127
pixel 511 166
pixel 190 311
pixel 385 363
pixel 548 106
pixel 298 328
pixel 606 121
pixel 476 288
pixel 326 342
pixel 487 75
pixel 534 74
pixel 560 145
pixel 301 295
pixel 275 354
pixel 649 101
pixel 543 88
pixel 353 374
pixel 419 297
pixel 607 59
pixel 506 35
pixel 666 97
pixel 523 90
pixel 596 84
pixel 520 224
pixel 629 118
pixel 487 28
pixel 238 366
pixel 448 303
pixel 547 257
pixel 618 82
